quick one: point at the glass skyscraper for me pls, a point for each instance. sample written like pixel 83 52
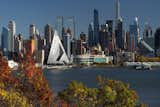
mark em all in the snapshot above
pixel 67 44
pixel 59 25
pixel 70 24
pixel 119 34
pixel 6 47
pixel 12 29
pixel 96 27
pixel 134 32
pixel 90 35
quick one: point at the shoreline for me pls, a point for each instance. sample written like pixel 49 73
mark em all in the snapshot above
pixel 97 66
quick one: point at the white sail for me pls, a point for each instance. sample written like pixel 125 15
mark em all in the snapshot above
pixel 57 54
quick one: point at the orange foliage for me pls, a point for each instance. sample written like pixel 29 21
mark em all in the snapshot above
pixel 28 79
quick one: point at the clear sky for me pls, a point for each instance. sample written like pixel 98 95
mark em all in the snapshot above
pixel 41 12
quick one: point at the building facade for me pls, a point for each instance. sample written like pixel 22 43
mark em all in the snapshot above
pixel 96 27
pixel 119 34
pixel 6 46
pixel 12 29
pixel 59 25
pixel 67 44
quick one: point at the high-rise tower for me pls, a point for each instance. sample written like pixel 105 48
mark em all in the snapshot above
pixel 118 9
pixel 157 41
pixel 32 30
pixel 48 37
pixel 59 25
pixel 90 35
pixel 71 25
pixel 134 32
pixel 6 41
pixel 12 29
pixel 96 27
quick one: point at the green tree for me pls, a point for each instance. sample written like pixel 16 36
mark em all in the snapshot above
pixel 109 93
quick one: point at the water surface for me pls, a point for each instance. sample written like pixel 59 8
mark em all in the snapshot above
pixel 146 83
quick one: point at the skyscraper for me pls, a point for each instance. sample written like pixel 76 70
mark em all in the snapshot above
pixel 119 34
pixel 134 32
pixel 118 16
pixel 110 26
pixel 71 25
pixel 32 30
pixel 34 33
pixel 6 46
pixel 48 37
pixel 157 42
pixel 67 44
pixel 12 29
pixel 104 37
pixel 148 33
pixel 90 35
pixel 48 34
pixel 119 27
pixel 96 27
pixel 148 36
pixel 109 23
pixel 18 43
pixel 59 25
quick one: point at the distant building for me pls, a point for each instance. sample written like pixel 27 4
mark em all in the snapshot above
pixel 112 45
pixel 57 54
pixel 90 35
pixel 83 37
pixel 96 27
pixel 67 44
pixel 128 42
pixel 18 43
pixel 134 33
pixel 41 43
pixel 40 56
pixel 32 30
pixel 92 59
pixel 49 33
pixel 157 42
pixel 12 29
pixel 117 5
pixel 148 36
pixel 104 37
pixel 79 49
pixel 119 34
pixel 59 25
pixel 34 33
pixel 109 23
pixel 71 25
pixel 6 44
pixel 73 47
pixel 30 46
pixel 148 32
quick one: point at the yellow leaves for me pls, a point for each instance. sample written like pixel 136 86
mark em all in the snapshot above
pixel 14 99
pixel 3 93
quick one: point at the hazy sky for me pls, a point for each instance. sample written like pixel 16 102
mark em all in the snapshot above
pixel 41 12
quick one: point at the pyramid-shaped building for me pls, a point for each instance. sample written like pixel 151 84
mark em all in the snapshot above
pixel 57 54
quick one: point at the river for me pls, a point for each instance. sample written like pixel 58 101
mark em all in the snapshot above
pixel 145 83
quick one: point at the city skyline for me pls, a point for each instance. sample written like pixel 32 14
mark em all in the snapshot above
pixel 40 13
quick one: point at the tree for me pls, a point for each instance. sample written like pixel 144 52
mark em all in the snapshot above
pixel 109 93
pixel 25 87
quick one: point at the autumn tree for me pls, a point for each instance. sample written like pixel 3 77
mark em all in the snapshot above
pixel 25 87
pixel 110 93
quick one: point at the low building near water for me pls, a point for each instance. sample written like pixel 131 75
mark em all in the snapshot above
pixel 92 59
